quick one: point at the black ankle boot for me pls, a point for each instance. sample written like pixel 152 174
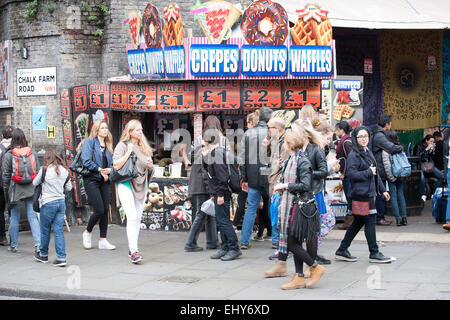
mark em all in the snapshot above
pixel 404 221
pixel 399 222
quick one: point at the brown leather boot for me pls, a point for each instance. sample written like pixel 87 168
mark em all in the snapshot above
pixel 296 283
pixel 306 272
pixel 347 222
pixel 316 273
pixel 279 270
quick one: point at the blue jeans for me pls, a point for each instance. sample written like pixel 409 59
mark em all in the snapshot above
pixel 254 197
pixel 397 198
pixel 437 174
pixel 380 204
pixel 32 219
pixel 52 215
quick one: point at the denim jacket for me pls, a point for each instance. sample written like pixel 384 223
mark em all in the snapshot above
pixel 91 156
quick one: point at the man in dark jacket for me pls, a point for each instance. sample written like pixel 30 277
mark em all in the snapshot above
pixel 254 166
pixel 218 175
pixel 380 143
pixel 438 156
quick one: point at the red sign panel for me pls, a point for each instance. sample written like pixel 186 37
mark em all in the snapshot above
pixel 119 98
pixel 176 96
pixel 142 97
pixel 218 95
pixel 261 93
pixel 80 98
pixel 99 96
pixel 298 93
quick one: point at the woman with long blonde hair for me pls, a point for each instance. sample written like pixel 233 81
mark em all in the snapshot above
pixel 131 193
pixel 313 148
pixel 96 156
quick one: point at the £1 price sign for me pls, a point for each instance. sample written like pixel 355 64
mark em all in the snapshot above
pixel 218 95
pixel 298 93
pixel 176 97
pixel 80 98
pixel 142 97
pixel 119 97
pixel 99 96
pixel 261 93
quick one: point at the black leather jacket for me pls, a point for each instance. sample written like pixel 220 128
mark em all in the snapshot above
pixel 316 156
pixel 302 186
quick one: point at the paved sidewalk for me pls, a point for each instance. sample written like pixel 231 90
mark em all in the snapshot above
pixel 421 271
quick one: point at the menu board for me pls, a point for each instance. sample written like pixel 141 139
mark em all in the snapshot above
pixel 176 97
pixel 119 99
pixel 218 95
pixel 142 97
pixel 298 93
pixel 80 114
pixel 261 93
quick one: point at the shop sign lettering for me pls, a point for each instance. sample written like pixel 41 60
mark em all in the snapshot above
pixel 214 60
pixel 174 60
pixel 310 60
pixel 146 63
pixel 264 60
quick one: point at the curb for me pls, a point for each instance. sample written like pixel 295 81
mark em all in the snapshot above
pixel 45 295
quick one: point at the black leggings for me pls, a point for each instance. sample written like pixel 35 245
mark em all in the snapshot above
pixel 99 196
pixel 301 255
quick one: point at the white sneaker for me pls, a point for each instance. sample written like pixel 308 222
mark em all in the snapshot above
pixel 104 244
pixel 424 198
pixel 87 240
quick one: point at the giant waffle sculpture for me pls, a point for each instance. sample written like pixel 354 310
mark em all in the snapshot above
pixel 313 27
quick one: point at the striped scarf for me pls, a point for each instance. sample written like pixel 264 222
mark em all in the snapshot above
pixel 285 208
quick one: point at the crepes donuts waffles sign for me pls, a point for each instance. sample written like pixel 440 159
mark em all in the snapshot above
pixel 239 43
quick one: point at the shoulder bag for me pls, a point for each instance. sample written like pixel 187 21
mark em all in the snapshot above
pixel 127 172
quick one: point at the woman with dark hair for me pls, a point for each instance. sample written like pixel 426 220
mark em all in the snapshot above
pixel 53 206
pixel 425 150
pixel 198 188
pixel 395 184
pixel 342 131
pixel 365 185
pixel 18 186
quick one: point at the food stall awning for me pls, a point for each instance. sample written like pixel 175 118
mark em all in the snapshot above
pixel 380 14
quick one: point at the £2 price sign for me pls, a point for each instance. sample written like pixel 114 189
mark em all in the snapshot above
pixel 298 93
pixel 142 97
pixel 119 98
pixel 261 93
pixel 176 97
pixel 218 95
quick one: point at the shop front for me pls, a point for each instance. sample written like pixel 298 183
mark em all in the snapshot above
pixel 172 88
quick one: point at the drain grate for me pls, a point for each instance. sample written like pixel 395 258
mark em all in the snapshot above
pixel 181 279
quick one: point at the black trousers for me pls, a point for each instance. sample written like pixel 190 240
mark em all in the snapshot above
pixel 99 196
pixel 301 255
pixel 240 211
pixel 2 214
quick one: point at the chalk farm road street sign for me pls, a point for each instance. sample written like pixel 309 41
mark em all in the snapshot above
pixel 36 82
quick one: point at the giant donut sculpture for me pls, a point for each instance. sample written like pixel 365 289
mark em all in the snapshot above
pixel 265 22
pixel 152 27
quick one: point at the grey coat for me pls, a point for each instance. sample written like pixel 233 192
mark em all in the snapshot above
pixel 16 192
pixel 387 164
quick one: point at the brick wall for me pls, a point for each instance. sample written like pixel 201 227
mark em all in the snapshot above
pixel 64 38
